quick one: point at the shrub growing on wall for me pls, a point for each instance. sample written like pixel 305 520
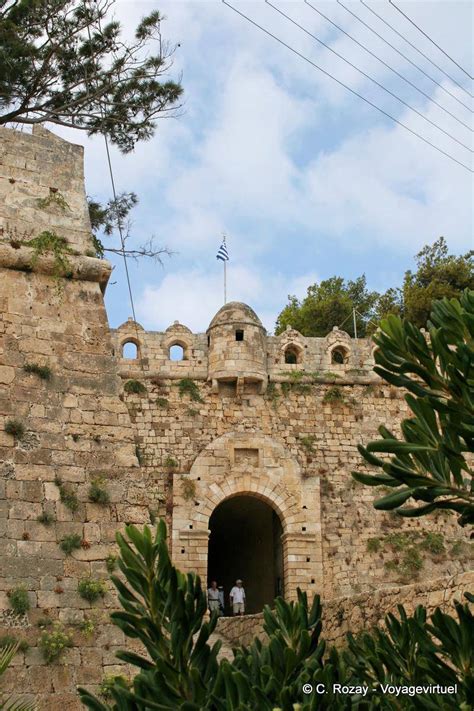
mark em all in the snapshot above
pixel 42 371
pixel 70 543
pixel 19 601
pixel 54 642
pixel 91 589
pixel 16 428
pixel 98 493
pixel 187 386
pixel 134 386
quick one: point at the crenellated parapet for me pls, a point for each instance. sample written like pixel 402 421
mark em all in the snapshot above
pixel 236 354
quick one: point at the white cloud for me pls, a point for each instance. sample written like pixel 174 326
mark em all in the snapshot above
pixel 387 186
pixel 193 296
pixel 270 150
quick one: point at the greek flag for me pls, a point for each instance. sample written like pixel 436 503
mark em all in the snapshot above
pixel 222 252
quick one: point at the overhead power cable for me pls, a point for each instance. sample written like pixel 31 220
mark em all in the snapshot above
pixel 367 76
pixel 460 86
pixel 431 40
pixel 338 81
pixel 117 213
pixel 414 64
pixel 388 66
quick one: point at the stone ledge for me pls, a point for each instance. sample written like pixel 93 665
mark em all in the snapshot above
pixel 82 268
pixel 359 612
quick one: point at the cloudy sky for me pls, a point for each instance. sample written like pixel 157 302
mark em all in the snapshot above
pixel 305 178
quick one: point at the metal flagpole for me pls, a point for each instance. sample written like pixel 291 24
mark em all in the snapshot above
pixel 355 322
pixel 223 255
pixel 225 282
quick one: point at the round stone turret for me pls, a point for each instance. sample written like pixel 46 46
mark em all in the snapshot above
pixel 237 348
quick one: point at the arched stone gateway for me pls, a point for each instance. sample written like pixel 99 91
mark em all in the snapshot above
pixel 246 542
pixel 231 478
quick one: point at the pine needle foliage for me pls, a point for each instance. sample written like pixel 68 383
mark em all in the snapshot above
pixel 66 62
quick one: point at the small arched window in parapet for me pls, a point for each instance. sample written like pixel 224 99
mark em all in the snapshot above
pixel 130 349
pixel 176 352
pixel 339 355
pixel 292 355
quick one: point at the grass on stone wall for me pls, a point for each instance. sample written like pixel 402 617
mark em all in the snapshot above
pixel 54 199
pixel 272 394
pixel 408 547
pixel 187 386
pixel 48 241
pixel 294 383
pixel 434 543
pixel 462 549
pixel 162 402
pixel 67 496
pixel 170 463
pixel 46 518
pixel 91 589
pixel 334 394
pixel 15 428
pixel 98 493
pixel 410 564
pixel 111 563
pixel 44 622
pixel 70 543
pixel 134 386
pixel 307 442
pixel 373 545
pixel 53 642
pixel 42 371
pixel 19 600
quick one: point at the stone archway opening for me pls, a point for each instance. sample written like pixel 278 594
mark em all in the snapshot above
pixel 246 542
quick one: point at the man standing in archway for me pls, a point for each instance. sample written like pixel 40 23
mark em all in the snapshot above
pixel 237 598
pixel 213 598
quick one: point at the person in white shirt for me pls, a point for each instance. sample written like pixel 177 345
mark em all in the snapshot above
pixel 213 601
pixel 237 598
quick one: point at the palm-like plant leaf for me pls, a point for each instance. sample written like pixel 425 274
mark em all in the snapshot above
pixel 10 704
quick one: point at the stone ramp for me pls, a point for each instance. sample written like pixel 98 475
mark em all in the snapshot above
pixel 225 650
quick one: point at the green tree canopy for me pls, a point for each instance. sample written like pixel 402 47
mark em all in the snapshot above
pixel 439 274
pixel 62 61
pixel 329 304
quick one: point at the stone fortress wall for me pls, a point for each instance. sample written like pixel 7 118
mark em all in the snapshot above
pixel 235 418
pixel 284 432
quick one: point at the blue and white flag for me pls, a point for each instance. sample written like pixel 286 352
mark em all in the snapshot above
pixel 222 252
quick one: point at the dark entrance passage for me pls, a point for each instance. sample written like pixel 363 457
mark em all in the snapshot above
pixel 245 542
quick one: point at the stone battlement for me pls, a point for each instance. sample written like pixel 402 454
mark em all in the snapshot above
pixel 236 351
